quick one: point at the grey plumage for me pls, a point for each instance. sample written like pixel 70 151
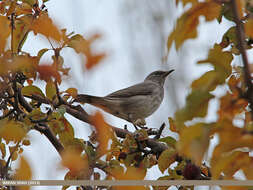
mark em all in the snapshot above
pixel 134 103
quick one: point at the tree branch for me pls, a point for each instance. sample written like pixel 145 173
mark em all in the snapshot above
pixel 241 46
pixel 79 113
pixel 44 129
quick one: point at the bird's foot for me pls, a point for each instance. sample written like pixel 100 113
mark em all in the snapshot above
pixel 140 123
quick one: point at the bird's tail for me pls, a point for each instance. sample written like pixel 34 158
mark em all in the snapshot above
pixel 93 100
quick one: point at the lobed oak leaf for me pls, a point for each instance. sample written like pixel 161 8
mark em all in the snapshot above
pixel 186 26
pixel 222 66
pixel 45 26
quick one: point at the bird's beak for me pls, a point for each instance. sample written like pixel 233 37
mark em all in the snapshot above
pixel 168 72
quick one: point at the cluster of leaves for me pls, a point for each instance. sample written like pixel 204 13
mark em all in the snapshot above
pixel 19 70
pixel 234 124
pixel 118 153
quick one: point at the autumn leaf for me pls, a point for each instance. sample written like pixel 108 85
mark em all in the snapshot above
pixel 221 66
pixel 30 90
pixel 46 72
pixel 50 90
pixel 249 28
pixel 194 141
pixel 45 26
pixel 72 91
pixel 73 160
pixel 230 163
pixel 196 106
pixel 20 32
pixel 186 26
pixel 24 172
pixel 104 132
pixel 166 159
pixel 4 32
pixel 12 131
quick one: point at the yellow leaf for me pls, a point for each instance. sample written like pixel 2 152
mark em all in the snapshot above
pixel 196 106
pixel 50 90
pixel 173 127
pixel 20 32
pixel 24 171
pixel 222 66
pixel 12 131
pixel 249 28
pixel 230 163
pixel 166 159
pixel 207 82
pixel 194 141
pixel 30 90
pixel 4 31
pixel 186 26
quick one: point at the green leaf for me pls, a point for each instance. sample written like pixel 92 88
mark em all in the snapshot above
pixel 166 159
pixel 30 90
pixel 50 90
pixel 170 141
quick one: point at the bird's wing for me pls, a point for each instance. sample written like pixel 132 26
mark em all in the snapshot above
pixel 138 89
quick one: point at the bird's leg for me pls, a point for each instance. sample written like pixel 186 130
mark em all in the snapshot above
pixel 140 123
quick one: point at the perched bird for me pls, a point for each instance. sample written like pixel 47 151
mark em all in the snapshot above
pixel 134 103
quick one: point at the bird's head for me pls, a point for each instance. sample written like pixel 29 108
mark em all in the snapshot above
pixel 158 76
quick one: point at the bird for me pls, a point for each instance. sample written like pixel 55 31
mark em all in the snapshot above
pixel 134 103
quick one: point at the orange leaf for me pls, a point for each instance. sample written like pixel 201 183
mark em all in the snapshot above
pixel 74 161
pixel 4 32
pixel 104 132
pixel 93 60
pixel 46 72
pixel 45 26
pixel 249 28
pixel 24 171
pixel 72 91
